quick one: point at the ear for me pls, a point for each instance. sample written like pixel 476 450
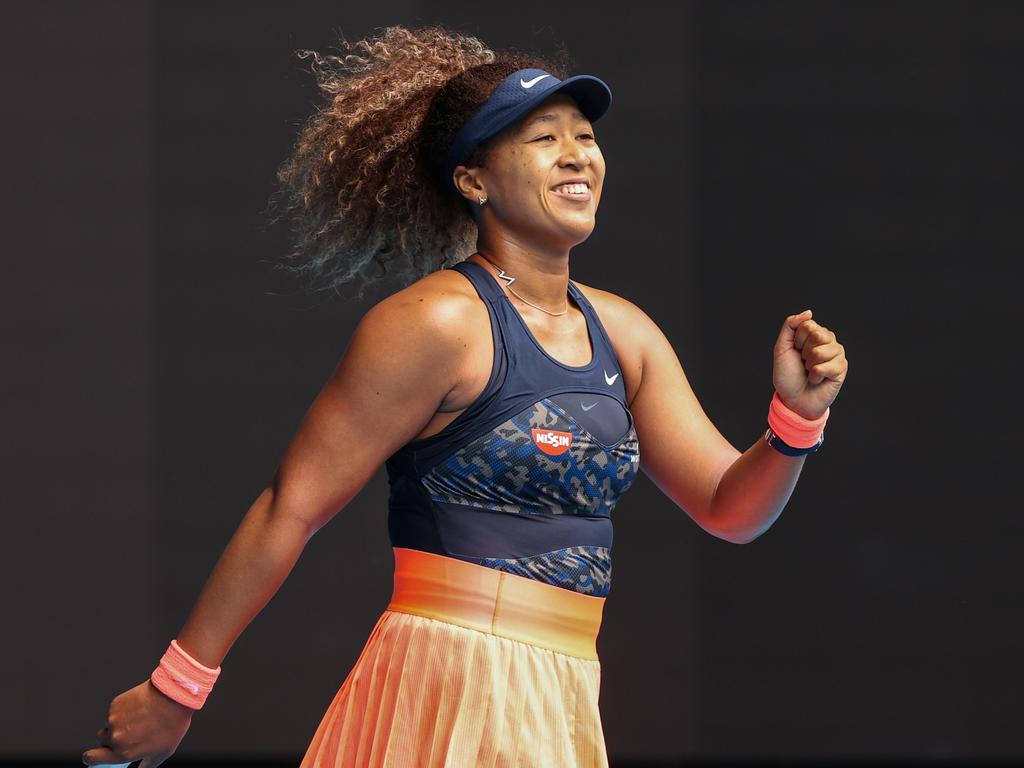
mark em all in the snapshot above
pixel 468 183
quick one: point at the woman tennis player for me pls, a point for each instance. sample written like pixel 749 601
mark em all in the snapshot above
pixel 511 405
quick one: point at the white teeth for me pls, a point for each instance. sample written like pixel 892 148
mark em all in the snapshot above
pixel 577 189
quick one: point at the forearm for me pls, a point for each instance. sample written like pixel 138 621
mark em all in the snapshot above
pixel 253 566
pixel 753 492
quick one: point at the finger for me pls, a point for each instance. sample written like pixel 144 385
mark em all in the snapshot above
pixel 806 330
pixel 812 334
pixel 833 369
pixel 789 326
pixel 102 756
pixel 821 353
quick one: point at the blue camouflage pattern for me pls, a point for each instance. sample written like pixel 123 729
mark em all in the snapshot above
pixel 581 569
pixel 505 470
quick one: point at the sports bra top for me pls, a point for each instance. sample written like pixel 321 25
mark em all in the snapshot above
pixel 524 480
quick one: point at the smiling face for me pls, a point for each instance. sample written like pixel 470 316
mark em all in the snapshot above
pixel 525 178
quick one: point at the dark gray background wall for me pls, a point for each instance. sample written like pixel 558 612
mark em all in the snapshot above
pixel 80 563
pixel 858 158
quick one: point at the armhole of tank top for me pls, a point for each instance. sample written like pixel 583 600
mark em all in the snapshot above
pixel 582 299
pixel 498 343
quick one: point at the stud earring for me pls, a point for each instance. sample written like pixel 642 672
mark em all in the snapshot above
pixel 483 200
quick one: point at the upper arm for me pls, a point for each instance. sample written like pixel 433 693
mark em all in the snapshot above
pixel 680 449
pixel 401 362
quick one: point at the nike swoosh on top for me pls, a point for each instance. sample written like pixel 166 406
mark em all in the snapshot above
pixel 611 380
pixel 531 83
pixel 586 407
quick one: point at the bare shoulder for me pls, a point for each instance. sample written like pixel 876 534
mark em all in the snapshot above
pixel 403 362
pixel 442 316
pixel 442 300
pixel 614 309
pixel 423 336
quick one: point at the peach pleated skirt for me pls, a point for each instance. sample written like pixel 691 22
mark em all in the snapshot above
pixel 470 667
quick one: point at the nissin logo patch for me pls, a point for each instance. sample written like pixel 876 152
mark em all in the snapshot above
pixel 551 441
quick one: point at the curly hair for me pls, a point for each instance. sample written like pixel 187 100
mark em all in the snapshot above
pixel 363 184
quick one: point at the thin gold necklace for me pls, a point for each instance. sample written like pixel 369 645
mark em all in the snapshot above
pixel 509 280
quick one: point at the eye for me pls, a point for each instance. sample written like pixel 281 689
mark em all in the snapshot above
pixel 588 136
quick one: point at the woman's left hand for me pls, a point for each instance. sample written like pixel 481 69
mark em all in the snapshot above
pixel 809 365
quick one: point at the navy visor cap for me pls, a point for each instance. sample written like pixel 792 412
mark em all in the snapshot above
pixel 517 94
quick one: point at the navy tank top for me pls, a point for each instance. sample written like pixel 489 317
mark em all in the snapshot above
pixel 525 479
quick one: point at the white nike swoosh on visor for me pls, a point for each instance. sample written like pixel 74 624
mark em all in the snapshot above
pixel 612 379
pixel 531 83
pixel 586 407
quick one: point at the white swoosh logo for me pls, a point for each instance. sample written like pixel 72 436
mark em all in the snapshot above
pixel 611 380
pixel 187 684
pixel 586 407
pixel 531 83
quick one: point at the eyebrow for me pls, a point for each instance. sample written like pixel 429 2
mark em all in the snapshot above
pixel 548 117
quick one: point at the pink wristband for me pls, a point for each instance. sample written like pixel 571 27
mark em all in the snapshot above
pixel 182 678
pixel 794 429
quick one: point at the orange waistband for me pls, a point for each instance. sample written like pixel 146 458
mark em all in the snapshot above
pixel 495 602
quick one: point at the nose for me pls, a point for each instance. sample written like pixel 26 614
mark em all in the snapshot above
pixel 575 154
